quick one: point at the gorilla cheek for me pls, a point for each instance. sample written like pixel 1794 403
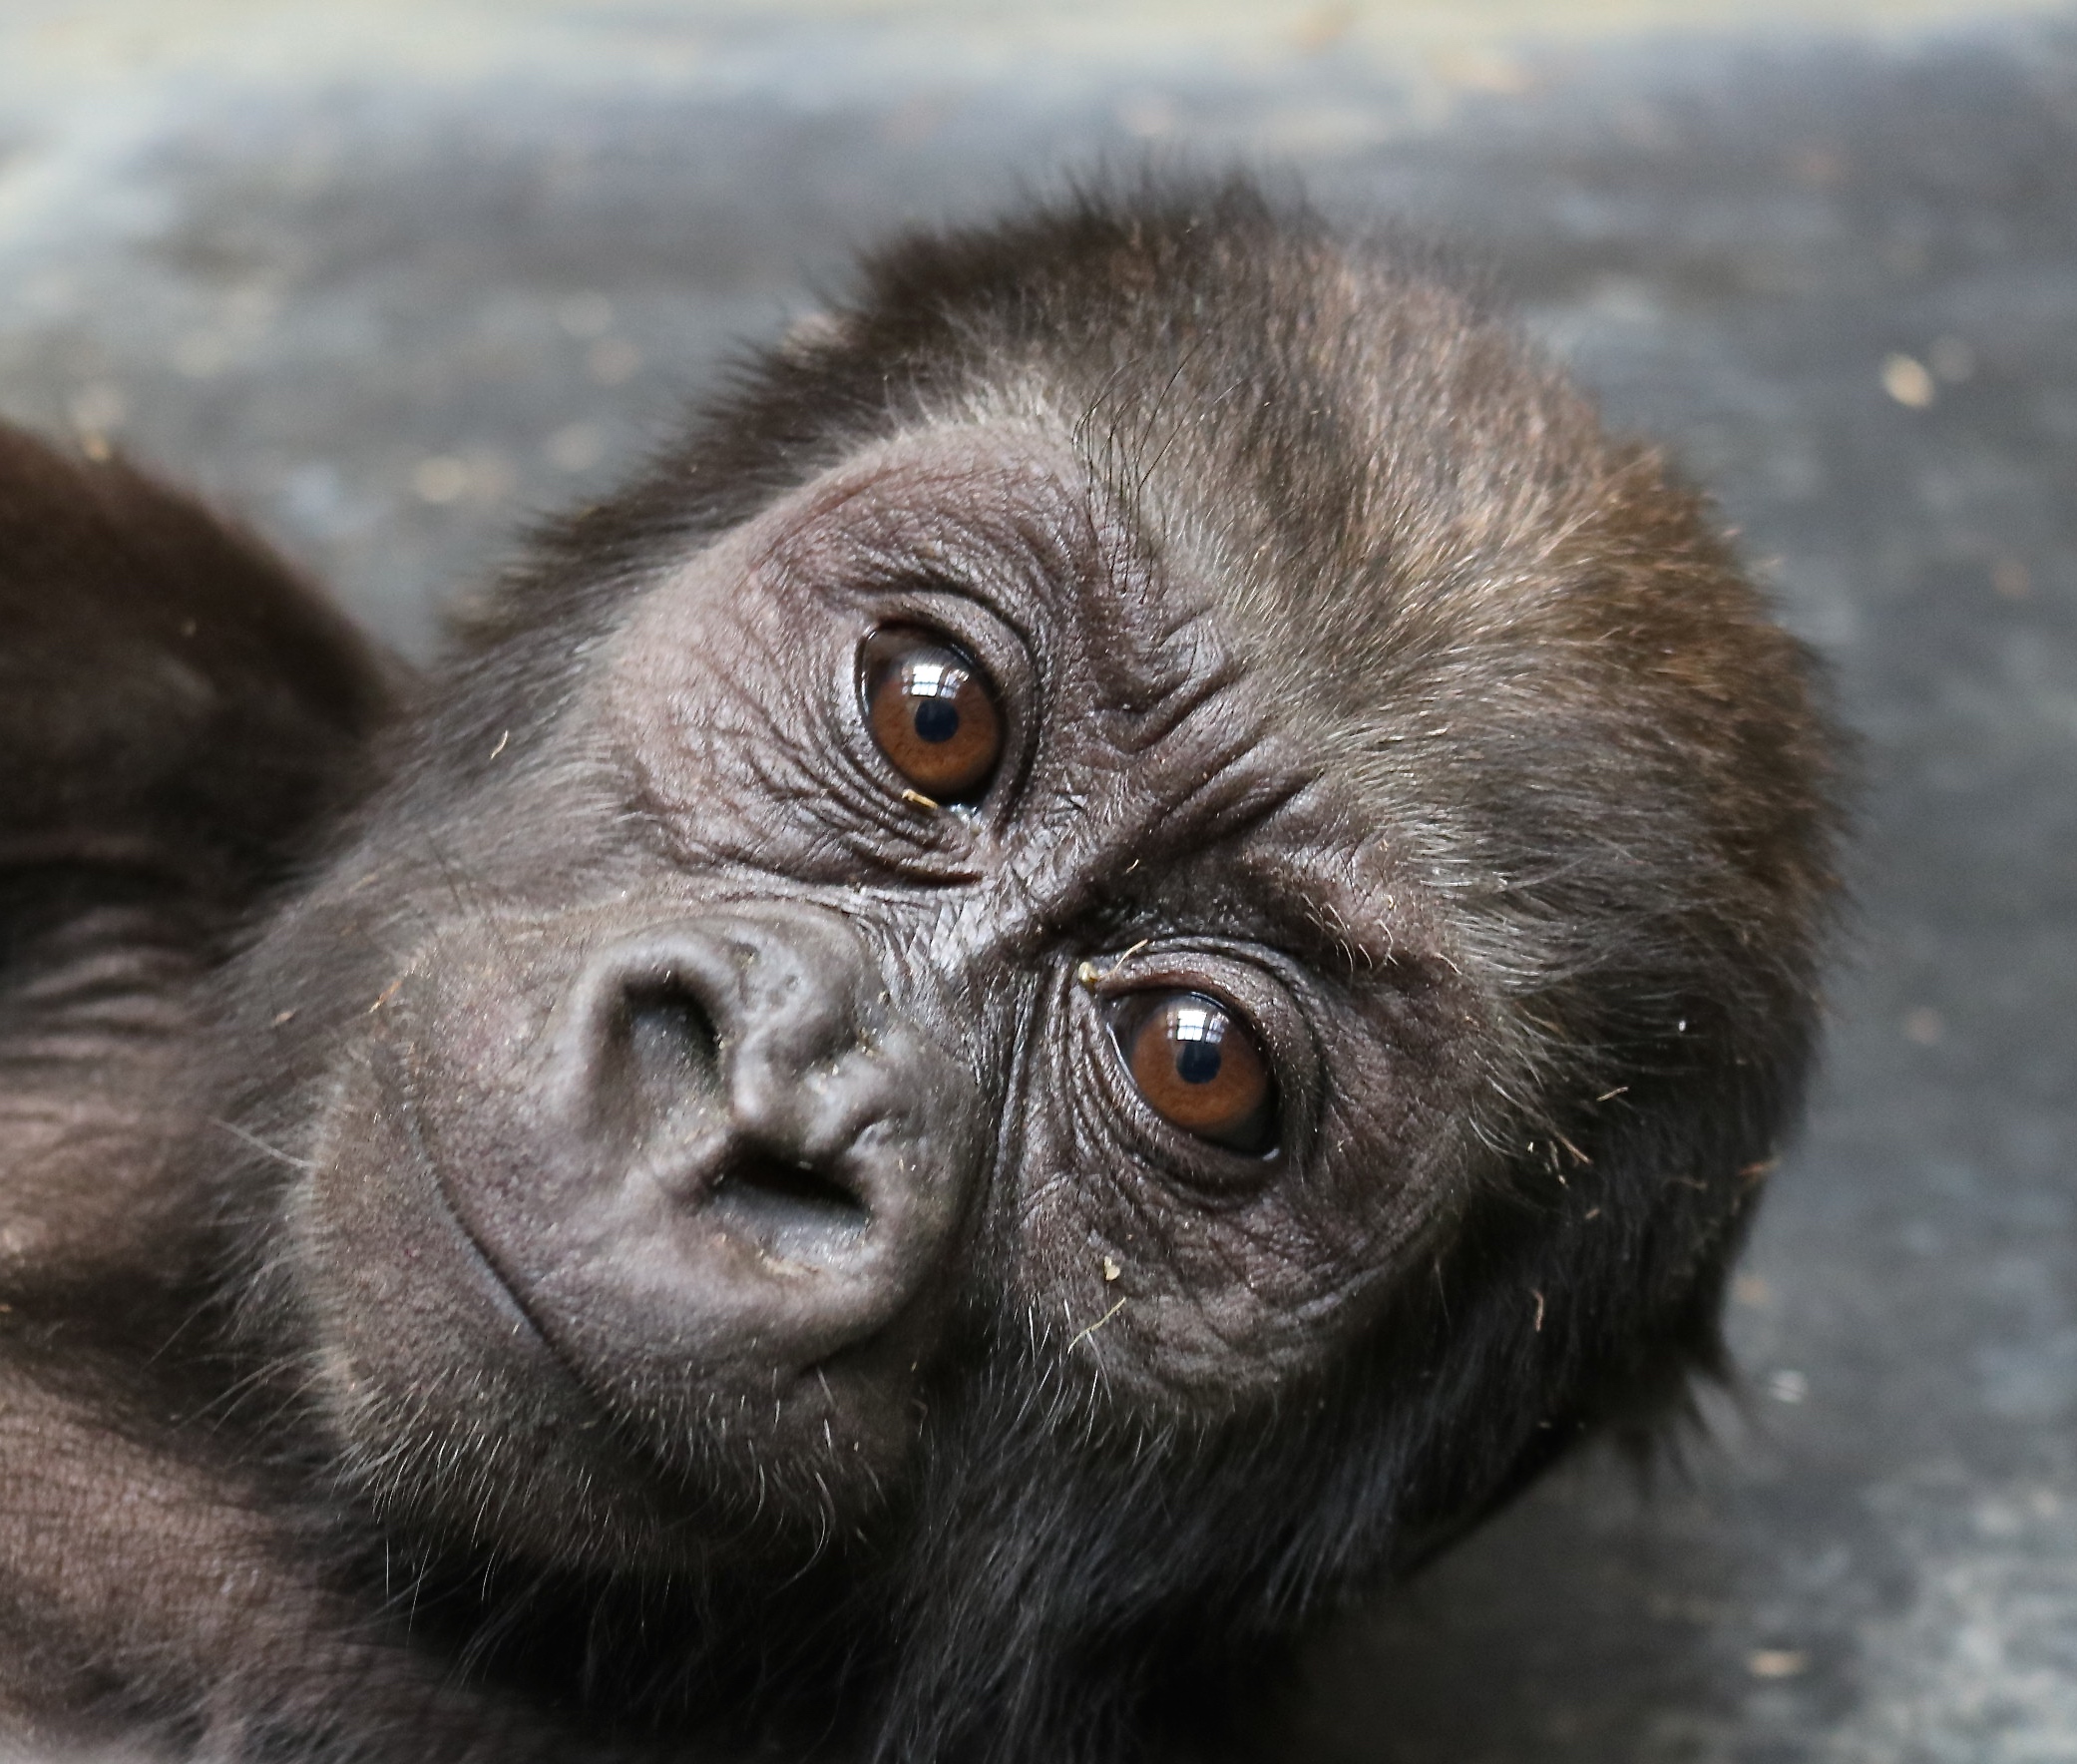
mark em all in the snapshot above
pixel 450 1405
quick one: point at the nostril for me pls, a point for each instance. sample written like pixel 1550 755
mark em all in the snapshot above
pixel 673 1051
pixel 670 1035
pixel 661 1072
pixel 791 1210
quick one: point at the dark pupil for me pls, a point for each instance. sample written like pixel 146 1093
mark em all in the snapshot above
pixel 1197 1062
pixel 937 720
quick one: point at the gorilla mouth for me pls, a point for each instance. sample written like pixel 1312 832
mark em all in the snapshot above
pixel 782 1205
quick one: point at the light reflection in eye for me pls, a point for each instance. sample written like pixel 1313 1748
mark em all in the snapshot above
pixel 930 687
pixel 1200 1031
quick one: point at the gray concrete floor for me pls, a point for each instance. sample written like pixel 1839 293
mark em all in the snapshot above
pixel 389 278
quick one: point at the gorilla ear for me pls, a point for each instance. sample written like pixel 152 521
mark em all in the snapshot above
pixel 174 704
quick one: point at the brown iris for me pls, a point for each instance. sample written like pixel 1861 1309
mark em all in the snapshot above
pixel 1199 1068
pixel 932 712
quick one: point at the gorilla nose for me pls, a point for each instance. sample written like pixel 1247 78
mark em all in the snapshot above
pixel 805 1137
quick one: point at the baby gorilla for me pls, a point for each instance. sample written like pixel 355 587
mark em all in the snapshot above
pixel 1122 946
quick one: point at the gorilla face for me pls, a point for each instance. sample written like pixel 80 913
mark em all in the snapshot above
pixel 915 923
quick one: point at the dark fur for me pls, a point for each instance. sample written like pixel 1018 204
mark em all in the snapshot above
pixel 1366 567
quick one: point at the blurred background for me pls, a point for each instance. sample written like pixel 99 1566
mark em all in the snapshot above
pixel 391 277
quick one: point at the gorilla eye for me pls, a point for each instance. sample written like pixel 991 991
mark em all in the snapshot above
pixel 1199 1068
pixel 932 712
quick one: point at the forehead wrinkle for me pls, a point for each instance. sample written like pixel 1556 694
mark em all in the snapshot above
pixel 1076 877
pixel 923 494
pixel 1331 885
pixel 1301 831
pixel 1123 598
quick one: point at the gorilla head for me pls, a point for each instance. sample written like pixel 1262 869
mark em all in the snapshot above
pixel 1086 974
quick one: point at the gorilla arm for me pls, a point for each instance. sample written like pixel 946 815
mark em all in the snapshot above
pixel 175 713
pixel 176 716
